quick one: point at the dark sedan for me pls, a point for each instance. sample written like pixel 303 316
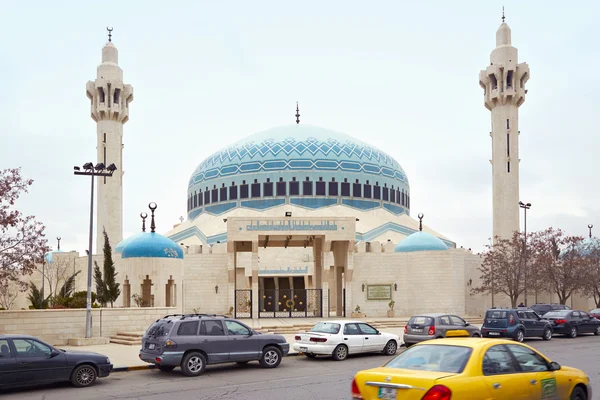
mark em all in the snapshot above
pixel 25 360
pixel 573 322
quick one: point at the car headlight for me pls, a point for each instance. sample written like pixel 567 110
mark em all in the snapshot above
pixel 107 360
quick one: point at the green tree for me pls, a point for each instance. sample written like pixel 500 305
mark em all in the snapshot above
pixel 35 297
pixel 107 288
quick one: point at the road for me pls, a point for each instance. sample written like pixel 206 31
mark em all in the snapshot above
pixel 298 378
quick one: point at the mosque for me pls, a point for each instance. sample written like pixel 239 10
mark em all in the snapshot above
pixel 300 220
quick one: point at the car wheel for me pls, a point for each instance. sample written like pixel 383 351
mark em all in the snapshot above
pixel 340 353
pixel 597 331
pixel 271 357
pixel 83 375
pixel 573 333
pixel 476 334
pixel 193 364
pixel 578 394
pixel 519 336
pixel 390 348
pixel 547 334
pixel 166 368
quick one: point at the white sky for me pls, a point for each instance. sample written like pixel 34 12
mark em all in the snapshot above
pixel 400 75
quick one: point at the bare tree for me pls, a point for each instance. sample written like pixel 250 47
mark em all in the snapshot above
pixel 56 270
pixel 9 291
pixel 560 261
pixel 591 259
pixel 503 268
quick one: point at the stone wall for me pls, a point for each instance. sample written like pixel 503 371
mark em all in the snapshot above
pixel 202 272
pixel 57 326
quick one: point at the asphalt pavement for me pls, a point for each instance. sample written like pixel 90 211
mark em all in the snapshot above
pixel 297 378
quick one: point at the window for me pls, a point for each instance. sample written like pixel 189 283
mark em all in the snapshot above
pixel 445 320
pixel 403 198
pixel 494 81
pixel 281 189
pixel 367 329
pixel 307 188
pixel 199 197
pixel 188 328
pixel 367 190
pixel 457 321
pixel 356 190
pixel 427 321
pixel 101 94
pixel 532 315
pixel 507 123
pixel 509 79
pixel 104 142
pixel 233 192
pixel 584 315
pixel 195 204
pixel 326 327
pixel 215 195
pixel 294 187
pixel 377 191
pixel 212 328
pixel 345 189
pixel 31 348
pixel 5 349
pixel 386 194
pixel 351 329
pixel 392 195
pixel 206 197
pixel 223 194
pixel 117 99
pixel 429 357
pixel 268 189
pixel 528 360
pixel 507 145
pixel 235 328
pixel 243 190
pixel 333 188
pixel 255 189
pixel 320 188
pixel 508 166
pixel 497 360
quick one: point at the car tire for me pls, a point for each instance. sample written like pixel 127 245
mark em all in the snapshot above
pixel 578 394
pixel 193 364
pixel 271 357
pixel 573 332
pixel 83 375
pixel 547 334
pixel 166 368
pixel 391 347
pixel 597 331
pixel 476 334
pixel 520 336
pixel 340 353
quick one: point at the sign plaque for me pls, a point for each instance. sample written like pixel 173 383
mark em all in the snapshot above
pixel 379 292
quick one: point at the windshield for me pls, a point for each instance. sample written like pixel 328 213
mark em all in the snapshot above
pixel 595 311
pixel 160 328
pixel 496 314
pixel 326 327
pixel 428 357
pixel 557 314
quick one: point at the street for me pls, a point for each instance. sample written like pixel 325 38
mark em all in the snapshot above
pixel 297 378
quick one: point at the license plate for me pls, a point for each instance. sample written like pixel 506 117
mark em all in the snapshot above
pixel 387 393
pixel 151 346
pixel 494 333
pixel 303 349
pixel 417 330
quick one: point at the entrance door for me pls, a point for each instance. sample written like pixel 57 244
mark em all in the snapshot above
pixel 290 303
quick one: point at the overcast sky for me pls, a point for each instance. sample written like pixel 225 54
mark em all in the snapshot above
pixel 400 75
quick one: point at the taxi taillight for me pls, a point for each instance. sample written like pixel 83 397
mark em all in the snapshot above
pixel 318 339
pixel 405 328
pixel 297 337
pixel 438 392
pixel 355 392
pixel 431 330
pixel 560 321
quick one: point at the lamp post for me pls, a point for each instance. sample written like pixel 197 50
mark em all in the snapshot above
pixel 525 206
pixel 90 170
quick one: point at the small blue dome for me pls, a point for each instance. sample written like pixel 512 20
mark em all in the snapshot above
pixel 588 245
pixel 152 245
pixel 420 241
pixel 48 255
pixel 125 242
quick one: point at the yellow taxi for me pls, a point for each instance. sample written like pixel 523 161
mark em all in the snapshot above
pixel 471 368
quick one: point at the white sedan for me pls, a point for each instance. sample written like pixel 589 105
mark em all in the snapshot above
pixel 341 338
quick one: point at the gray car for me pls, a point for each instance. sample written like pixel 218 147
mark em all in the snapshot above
pixel 193 341
pixel 433 326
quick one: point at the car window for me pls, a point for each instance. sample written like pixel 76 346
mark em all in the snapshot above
pixel 351 329
pixel 457 321
pixel 496 314
pixel 5 349
pixel 522 315
pixel 421 321
pixel 439 358
pixel 189 328
pixel 584 315
pixel 575 314
pixel 326 327
pixel 595 311
pixel 528 360
pixel 531 315
pixel 31 348
pixel 367 329
pixel 557 314
pixel 235 328
pixel 212 328
pixel 497 360
pixel 160 328
pixel 445 320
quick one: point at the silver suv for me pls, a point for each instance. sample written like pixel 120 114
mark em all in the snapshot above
pixel 193 341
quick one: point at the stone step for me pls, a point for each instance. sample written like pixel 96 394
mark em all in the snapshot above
pixel 130 338
pixel 133 334
pixel 126 342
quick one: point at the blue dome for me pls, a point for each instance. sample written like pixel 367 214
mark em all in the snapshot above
pixel 125 242
pixel 311 156
pixel 420 241
pixel 588 245
pixel 152 245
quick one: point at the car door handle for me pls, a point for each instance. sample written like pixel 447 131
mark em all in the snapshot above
pixel 345 338
pixel 533 381
pixel 497 385
pixel 366 338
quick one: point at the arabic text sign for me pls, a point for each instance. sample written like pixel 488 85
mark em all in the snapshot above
pixel 295 225
pixel 379 292
pixel 283 271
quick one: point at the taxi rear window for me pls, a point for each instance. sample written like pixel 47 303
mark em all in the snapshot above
pixel 496 314
pixel 421 321
pixel 437 358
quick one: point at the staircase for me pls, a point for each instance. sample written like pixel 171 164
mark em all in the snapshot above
pixel 127 338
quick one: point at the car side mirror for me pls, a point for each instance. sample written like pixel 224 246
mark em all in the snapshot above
pixel 467 324
pixel 554 366
pixel 54 353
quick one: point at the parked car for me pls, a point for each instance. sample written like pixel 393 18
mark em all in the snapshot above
pixel 341 338
pixel 595 313
pixel 516 323
pixel 474 369
pixel 542 308
pixel 573 322
pixel 433 326
pixel 193 341
pixel 26 360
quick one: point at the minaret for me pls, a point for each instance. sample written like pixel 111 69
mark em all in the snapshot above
pixel 110 99
pixel 503 84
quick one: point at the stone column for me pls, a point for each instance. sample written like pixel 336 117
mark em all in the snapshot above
pixel 231 273
pixel 339 291
pixel 348 272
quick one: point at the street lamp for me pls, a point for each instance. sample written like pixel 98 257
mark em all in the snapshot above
pixel 525 207
pixel 90 170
